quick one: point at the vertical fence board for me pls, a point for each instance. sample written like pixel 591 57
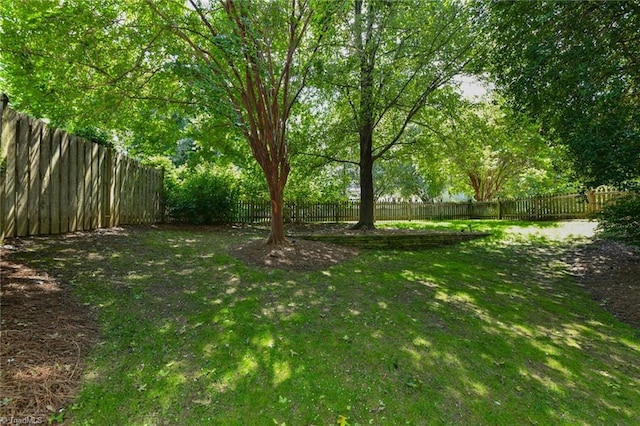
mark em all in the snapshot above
pixel 34 177
pixel 124 193
pixel 130 193
pixel 45 180
pixel 95 175
pixel 129 190
pixel 55 181
pixel 101 185
pixel 110 187
pixel 134 191
pixel 9 135
pixel 160 196
pixel 120 191
pixel 152 196
pixel 151 213
pixel 65 208
pixel 146 189
pixel 80 188
pixel 22 176
pixel 3 156
pixel 141 187
pixel 73 183
pixel 117 191
pixel 88 176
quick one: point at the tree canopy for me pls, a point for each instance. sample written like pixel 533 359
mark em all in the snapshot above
pixel 285 86
pixel 386 62
pixel 575 67
pixel 490 149
pixel 247 62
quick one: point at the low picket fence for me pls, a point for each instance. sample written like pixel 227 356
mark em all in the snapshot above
pixel 539 208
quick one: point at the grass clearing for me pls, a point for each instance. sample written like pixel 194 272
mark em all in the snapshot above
pixel 492 331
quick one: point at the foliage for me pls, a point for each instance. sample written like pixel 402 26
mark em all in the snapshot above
pixel 408 179
pixel 573 66
pixel 318 183
pixel 94 134
pixel 490 149
pixel 490 332
pixel 139 63
pixel 621 219
pixel 202 195
pixel 392 57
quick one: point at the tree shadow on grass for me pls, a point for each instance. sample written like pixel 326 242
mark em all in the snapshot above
pixel 482 333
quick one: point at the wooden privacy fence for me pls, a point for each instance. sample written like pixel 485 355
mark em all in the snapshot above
pixel 553 207
pixel 52 182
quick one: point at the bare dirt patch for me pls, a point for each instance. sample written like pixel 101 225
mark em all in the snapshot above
pixel 610 272
pixel 45 336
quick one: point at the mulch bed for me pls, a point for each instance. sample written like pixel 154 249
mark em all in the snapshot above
pixel 300 256
pixel 44 338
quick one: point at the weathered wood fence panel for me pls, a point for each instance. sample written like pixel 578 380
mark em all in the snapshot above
pixel 552 207
pixel 52 182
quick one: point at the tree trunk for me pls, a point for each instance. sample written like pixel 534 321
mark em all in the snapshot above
pixel 277 171
pixel 365 115
pixel 276 235
pixel 366 220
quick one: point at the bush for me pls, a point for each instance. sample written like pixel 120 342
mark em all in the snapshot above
pixel 621 219
pixel 201 196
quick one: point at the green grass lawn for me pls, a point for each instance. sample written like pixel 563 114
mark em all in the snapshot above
pixel 493 331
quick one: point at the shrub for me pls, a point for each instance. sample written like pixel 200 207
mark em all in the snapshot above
pixel 621 219
pixel 201 195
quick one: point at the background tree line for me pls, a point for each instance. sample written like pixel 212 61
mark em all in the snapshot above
pixel 326 100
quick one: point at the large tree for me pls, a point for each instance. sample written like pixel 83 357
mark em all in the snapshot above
pixel 487 147
pixel 575 66
pixel 391 58
pixel 246 61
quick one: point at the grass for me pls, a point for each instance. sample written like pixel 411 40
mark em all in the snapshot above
pixel 492 331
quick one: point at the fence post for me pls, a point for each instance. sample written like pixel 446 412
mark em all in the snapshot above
pixel 298 218
pixel 4 101
pixel 499 209
pixel 162 195
pixel 592 204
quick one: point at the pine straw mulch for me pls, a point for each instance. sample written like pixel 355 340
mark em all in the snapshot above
pixel 46 334
pixel 44 338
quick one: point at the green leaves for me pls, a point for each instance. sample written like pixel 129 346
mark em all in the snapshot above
pixel 202 196
pixel 490 149
pixel 574 66
pixel 621 219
